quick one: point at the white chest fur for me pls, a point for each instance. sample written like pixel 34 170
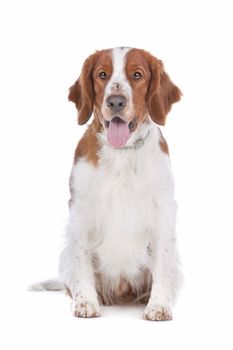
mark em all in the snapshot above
pixel 117 202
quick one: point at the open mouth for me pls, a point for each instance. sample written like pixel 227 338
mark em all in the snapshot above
pixel 118 131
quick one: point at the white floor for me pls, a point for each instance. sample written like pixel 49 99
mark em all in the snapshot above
pixel 43 321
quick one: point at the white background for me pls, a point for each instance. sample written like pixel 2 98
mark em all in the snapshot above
pixel 43 45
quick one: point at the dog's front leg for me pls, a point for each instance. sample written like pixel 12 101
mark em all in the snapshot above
pixel 77 270
pixel 164 263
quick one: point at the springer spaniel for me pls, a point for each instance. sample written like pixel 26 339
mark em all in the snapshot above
pixel 121 241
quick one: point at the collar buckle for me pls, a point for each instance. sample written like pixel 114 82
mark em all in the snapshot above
pixel 138 143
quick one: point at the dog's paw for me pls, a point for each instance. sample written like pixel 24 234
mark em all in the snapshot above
pixel 86 309
pixel 157 313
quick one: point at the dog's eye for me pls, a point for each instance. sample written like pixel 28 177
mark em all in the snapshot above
pixel 102 75
pixel 137 75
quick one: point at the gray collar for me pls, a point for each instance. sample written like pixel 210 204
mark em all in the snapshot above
pixel 138 143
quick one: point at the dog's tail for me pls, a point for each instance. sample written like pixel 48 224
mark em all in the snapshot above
pixel 48 285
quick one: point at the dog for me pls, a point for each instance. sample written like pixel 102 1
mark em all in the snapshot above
pixel 121 239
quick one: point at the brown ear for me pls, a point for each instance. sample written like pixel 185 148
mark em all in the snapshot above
pixel 82 92
pixel 162 92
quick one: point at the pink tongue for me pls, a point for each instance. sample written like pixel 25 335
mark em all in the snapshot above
pixel 118 133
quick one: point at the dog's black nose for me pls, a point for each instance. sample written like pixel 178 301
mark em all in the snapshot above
pixel 116 102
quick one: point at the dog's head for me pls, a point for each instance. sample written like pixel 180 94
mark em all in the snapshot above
pixel 123 86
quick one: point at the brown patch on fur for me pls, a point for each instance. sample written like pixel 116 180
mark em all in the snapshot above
pixel 164 146
pixel 89 145
pixel 68 292
pixel 136 62
pixel 123 288
pixel 154 91
pixel 103 64
pixel 85 92
pixel 124 292
pixel 162 91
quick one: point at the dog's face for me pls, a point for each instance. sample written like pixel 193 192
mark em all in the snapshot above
pixel 123 86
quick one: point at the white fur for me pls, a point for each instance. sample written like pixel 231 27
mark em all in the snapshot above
pixel 121 230
pixel 122 225
pixel 118 75
pixel 118 84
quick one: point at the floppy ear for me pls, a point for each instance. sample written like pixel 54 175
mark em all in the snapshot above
pixel 162 92
pixel 82 92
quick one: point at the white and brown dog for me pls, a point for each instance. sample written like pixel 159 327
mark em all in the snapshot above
pixel 121 241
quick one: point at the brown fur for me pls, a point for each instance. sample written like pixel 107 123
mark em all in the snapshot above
pixel 89 144
pixel 104 63
pixel 136 62
pixel 154 93
pixel 68 292
pixel 123 288
pixel 162 92
pixel 164 146
pixel 82 92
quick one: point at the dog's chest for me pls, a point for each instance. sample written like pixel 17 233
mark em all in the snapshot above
pixel 123 189
pixel 117 201
pixel 123 210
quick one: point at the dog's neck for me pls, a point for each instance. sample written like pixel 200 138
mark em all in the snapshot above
pixel 135 142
